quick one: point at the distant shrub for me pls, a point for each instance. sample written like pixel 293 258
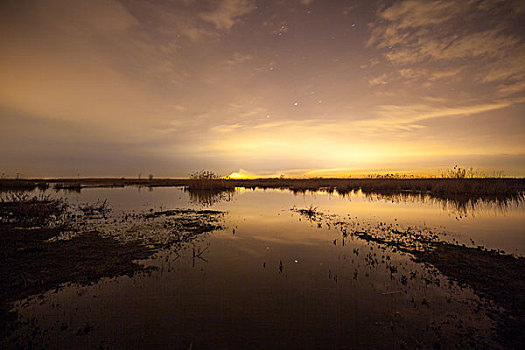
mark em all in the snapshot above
pixel 208 180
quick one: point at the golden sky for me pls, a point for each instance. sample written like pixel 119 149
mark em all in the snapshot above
pixel 118 88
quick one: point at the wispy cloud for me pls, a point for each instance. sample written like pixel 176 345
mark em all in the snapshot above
pixel 228 12
pixel 380 80
pixel 407 114
pixel 439 46
pixel 238 58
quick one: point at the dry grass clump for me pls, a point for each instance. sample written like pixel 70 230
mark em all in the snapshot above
pixel 310 213
pixel 208 180
pixel 20 208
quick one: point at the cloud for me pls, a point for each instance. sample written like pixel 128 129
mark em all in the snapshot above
pixel 238 58
pixel 380 80
pixel 391 120
pixel 508 73
pixel 410 74
pixel 182 80
pixel 228 12
pixel 102 16
pixel 409 114
pixel 414 13
pixel 169 22
pixel 443 74
pixel 486 44
pixel 471 45
pixel 414 31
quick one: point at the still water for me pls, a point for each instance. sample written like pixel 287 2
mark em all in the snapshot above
pixel 274 278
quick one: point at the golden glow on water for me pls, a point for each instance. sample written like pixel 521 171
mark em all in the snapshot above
pixel 299 267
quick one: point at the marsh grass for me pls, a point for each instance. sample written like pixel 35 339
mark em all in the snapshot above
pixel 310 213
pixel 453 183
pixel 208 180
pixel 22 209
pixel 100 208
pixel 448 186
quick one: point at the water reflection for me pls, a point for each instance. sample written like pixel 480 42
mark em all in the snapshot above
pixel 208 198
pixel 335 272
pixel 459 205
pixel 491 275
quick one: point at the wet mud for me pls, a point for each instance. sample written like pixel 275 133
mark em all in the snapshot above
pixel 46 244
pixel 496 277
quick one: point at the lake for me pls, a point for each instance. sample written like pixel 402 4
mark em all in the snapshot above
pixel 281 270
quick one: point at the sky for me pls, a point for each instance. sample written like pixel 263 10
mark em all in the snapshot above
pixel 261 88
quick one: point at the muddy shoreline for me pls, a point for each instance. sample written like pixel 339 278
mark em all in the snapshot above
pixel 497 277
pixel 43 249
pixel 492 275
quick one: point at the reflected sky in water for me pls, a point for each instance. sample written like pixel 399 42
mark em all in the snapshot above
pixel 495 224
pixel 272 278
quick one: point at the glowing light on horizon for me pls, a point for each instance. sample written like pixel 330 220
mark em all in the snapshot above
pixel 288 93
pixel 237 176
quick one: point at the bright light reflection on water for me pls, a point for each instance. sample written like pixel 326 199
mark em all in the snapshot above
pixel 274 279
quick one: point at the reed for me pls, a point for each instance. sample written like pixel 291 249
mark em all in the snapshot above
pixel 20 208
pixel 455 182
pixel 208 180
pixel 450 186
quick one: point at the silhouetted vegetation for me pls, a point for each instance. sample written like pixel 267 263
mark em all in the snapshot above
pixel 22 209
pixel 487 186
pixel 208 180
pixel 71 186
pixel 22 185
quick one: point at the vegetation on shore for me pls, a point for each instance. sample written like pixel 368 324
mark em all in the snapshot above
pixel 206 180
